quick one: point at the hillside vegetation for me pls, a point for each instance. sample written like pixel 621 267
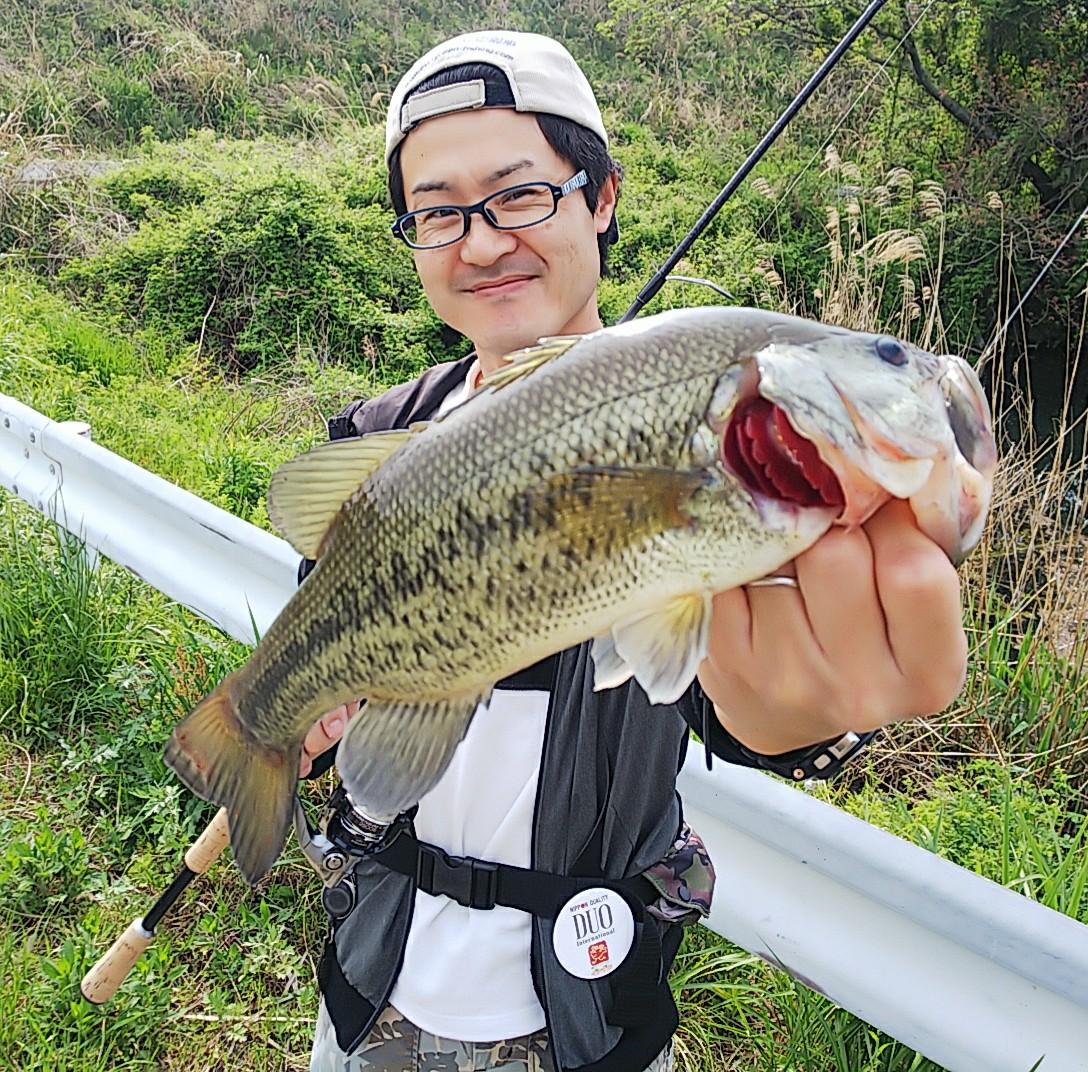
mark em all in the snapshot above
pixel 195 258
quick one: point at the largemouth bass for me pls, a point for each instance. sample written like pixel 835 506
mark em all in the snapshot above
pixel 601 486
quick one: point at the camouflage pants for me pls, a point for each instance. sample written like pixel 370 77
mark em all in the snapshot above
pixel 397 1045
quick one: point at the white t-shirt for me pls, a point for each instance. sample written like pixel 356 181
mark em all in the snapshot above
pixel 466 973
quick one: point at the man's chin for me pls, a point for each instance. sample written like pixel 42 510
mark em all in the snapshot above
pixel 514 337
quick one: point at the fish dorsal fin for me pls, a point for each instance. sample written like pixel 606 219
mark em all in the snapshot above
pixel 307 492
pixel 523 362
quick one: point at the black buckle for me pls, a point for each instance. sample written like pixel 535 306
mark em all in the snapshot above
pixel 339 427
pixel 468 881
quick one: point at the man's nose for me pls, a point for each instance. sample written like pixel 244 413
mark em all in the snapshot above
pixel 485 244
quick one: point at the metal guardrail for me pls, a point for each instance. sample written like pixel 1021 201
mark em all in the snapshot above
pixel 223 568
pixel 972 975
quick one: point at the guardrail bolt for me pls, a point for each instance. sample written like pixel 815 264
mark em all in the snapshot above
pixel 33 439
pixel 26 452
pixel 52 470
pixel 7 422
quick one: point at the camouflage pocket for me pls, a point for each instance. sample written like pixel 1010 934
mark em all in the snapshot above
pixel 684 879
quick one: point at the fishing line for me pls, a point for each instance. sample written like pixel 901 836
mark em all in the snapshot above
pixel 999 336
pixel 846 115
pixel 753 158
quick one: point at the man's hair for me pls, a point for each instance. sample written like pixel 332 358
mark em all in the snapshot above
pixel 576 144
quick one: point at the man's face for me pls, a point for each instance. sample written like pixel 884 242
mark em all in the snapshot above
pixel 504 289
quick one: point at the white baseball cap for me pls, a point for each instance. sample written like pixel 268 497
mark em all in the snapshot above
pixel 542 74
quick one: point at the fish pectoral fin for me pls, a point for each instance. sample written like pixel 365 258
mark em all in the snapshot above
pixel 394 752
pixel 307 492
pixel 523 362
pixel 665 647
pixel 609 670
pixel 214 755
pixel 614 503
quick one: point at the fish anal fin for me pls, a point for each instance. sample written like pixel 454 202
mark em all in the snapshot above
pixel 523 362
pixel 664 647
pixel 306 493
pixel 394 752
pixel 211 752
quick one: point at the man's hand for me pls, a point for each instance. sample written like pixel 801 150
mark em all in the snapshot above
pixel 325 733
pixel 874 634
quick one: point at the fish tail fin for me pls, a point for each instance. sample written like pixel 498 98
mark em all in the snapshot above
pixel 216 757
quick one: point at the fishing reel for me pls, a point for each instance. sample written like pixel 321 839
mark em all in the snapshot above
pixel 345 836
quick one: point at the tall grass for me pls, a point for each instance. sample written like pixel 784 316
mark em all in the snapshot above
pixel 64 651
pixel 1025 587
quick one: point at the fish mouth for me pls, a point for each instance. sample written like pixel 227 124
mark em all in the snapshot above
pixel 769 457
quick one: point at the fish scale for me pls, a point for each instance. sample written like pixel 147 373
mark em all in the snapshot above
pixel 582 494
pixel 408 512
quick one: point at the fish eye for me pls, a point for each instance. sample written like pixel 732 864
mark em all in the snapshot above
pixel 891 350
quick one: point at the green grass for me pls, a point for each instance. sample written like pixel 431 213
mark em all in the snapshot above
pixel 162 405
pixel 93 826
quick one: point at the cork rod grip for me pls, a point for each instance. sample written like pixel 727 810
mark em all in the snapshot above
pixel 206 849
pixel 109 972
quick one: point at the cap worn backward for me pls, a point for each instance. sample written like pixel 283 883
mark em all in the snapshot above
pixel 543 77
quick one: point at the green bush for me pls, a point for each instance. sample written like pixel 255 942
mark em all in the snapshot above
pixel 264 270
pixel 42 868
pixel 243 481
pixel 152 185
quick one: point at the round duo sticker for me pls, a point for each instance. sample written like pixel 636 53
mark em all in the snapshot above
pixel 593 933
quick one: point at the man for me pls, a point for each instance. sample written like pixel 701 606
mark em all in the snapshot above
pixel 501 178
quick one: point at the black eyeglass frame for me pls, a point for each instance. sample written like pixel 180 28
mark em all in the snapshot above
pixel 575 182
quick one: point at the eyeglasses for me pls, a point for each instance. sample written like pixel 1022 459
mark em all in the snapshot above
pixel 511 209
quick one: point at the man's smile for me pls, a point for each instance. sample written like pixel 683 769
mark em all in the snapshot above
pixel 509 284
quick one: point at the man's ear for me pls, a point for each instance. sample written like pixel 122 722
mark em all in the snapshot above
pixel 606 203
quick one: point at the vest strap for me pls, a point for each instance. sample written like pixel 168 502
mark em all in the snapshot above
pixel 484 885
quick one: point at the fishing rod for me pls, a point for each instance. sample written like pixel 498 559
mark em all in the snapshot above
pixel 102 981
pixel 111 969
pixel 768 139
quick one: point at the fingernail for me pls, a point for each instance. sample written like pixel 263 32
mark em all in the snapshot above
pixel 336 726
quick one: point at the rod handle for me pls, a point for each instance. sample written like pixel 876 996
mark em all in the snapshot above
pixel 206 849
pixel 111 969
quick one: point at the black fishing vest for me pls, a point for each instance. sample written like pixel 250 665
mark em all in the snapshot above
pixel 606 808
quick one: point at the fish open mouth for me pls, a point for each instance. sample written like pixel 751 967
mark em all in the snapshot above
pixel 768 456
